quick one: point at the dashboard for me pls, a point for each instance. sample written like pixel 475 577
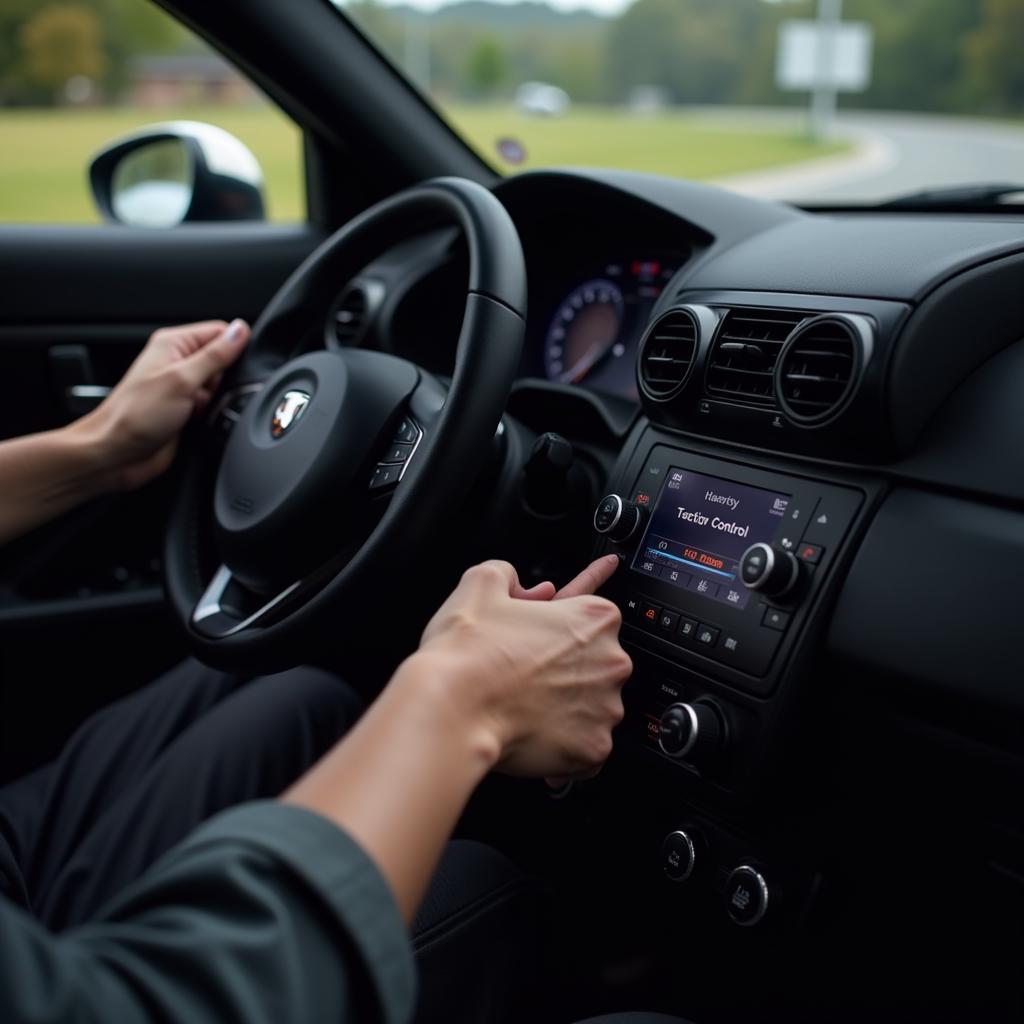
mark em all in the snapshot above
pixel 802 434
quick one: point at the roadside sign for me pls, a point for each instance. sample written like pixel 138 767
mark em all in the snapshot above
pixel 812 55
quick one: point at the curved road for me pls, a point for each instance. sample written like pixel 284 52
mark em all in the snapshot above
pixel 897 154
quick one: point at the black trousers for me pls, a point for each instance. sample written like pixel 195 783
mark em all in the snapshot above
pixel 141 774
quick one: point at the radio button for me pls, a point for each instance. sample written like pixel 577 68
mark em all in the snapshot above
pixel 750 653
pixel 810 553
pixel 829 521
pixel 631 607
pixel 688 628
pixel 707 635
pixel 649 614
pixel 668 620
pixel 775 618
pixel 702 586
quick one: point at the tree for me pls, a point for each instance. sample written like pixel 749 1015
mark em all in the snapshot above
pixel 487 67
pixel 994 69
pixel 60 42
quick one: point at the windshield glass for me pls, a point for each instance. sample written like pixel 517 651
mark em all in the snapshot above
pixel 826 101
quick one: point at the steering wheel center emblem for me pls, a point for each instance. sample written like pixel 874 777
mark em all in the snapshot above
pixel 288 412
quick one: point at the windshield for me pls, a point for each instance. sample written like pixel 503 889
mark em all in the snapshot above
pixel 821 101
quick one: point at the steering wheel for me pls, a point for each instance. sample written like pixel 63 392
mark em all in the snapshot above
pixel 339 464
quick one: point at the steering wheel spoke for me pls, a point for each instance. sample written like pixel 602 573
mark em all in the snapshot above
pixel 227 607
pixel 227 408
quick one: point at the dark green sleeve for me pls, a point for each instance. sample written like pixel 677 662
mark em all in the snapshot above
pixel 267 914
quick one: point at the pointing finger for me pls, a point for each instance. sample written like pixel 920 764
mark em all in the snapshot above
pixel 591 579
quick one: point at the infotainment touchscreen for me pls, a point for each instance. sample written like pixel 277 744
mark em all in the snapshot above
pixel 700 528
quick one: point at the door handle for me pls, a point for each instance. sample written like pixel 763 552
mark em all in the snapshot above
pixel 72 371
pixel 82 398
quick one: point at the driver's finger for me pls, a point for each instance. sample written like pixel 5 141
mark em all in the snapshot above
pixel 591 579
pixel 541 592
pixel 216 355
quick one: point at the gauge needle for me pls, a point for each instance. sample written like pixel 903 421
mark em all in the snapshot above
pixel 590 359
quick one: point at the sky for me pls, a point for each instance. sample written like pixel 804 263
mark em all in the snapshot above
pixel 600 6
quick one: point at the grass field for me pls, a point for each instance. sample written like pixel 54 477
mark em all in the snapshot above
pixel 45 154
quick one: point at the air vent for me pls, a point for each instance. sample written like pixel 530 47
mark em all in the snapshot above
pixel 666 354
pixel 745 352
pixel 817 369
pixel 350 316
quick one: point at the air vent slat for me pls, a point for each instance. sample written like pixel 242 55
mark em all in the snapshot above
pixel 667 353
pixel 746 349
pixel 350 318
pixel 817 369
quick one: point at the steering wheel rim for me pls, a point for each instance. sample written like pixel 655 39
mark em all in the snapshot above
pixel 456 430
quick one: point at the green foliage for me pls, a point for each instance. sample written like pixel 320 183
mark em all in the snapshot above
pixel 45 42
pixel 60 42
pixel 943 55
pixel 486 68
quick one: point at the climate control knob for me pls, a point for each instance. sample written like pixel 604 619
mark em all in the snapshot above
pixel 769 569
pixel 617 518
pixel 691 733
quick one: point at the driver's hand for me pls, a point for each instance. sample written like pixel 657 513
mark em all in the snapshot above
pixel 135 430
pixel 543 675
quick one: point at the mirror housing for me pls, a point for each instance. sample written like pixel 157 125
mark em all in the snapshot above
pixel 176 173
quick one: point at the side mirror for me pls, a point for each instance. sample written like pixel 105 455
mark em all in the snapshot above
pixel 174 173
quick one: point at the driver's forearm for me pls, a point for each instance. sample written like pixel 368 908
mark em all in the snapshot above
pixel 400 779
pixel 44 475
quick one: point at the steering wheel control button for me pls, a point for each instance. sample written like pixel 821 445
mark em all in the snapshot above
pixel 668 620
pixel 691 732
pixel 385 476
pixel 810 553
pixel 398 453
pixel 769 569
pixel 678 855
pixel 747 896
pixel 707 635
pixel 407 432
pixel 775 618
pixel 688 628
pixel 617 518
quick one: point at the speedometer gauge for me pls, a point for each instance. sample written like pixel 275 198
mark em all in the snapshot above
pixel 594 330
pixel 584 330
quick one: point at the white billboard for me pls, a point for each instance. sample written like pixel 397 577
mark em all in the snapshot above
pixel 812 55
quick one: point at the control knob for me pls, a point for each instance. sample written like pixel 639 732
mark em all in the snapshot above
pixel 691 732
pixel 617 518
pixel 769 569
pixel 748 896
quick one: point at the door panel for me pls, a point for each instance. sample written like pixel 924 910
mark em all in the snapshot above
pixel 82 617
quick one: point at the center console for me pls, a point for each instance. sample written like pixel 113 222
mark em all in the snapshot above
pixel 726 569
pixel 731 561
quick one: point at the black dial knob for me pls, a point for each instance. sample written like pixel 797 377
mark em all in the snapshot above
pixel 769 569
pixel 691 733
pixel 617 518
pixel 748 896
pixel 681 851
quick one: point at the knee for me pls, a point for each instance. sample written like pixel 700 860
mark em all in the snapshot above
pixel 313 694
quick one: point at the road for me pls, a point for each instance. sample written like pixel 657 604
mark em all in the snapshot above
pixel 895 154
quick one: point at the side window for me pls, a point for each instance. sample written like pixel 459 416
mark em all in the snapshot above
pixel 79 75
